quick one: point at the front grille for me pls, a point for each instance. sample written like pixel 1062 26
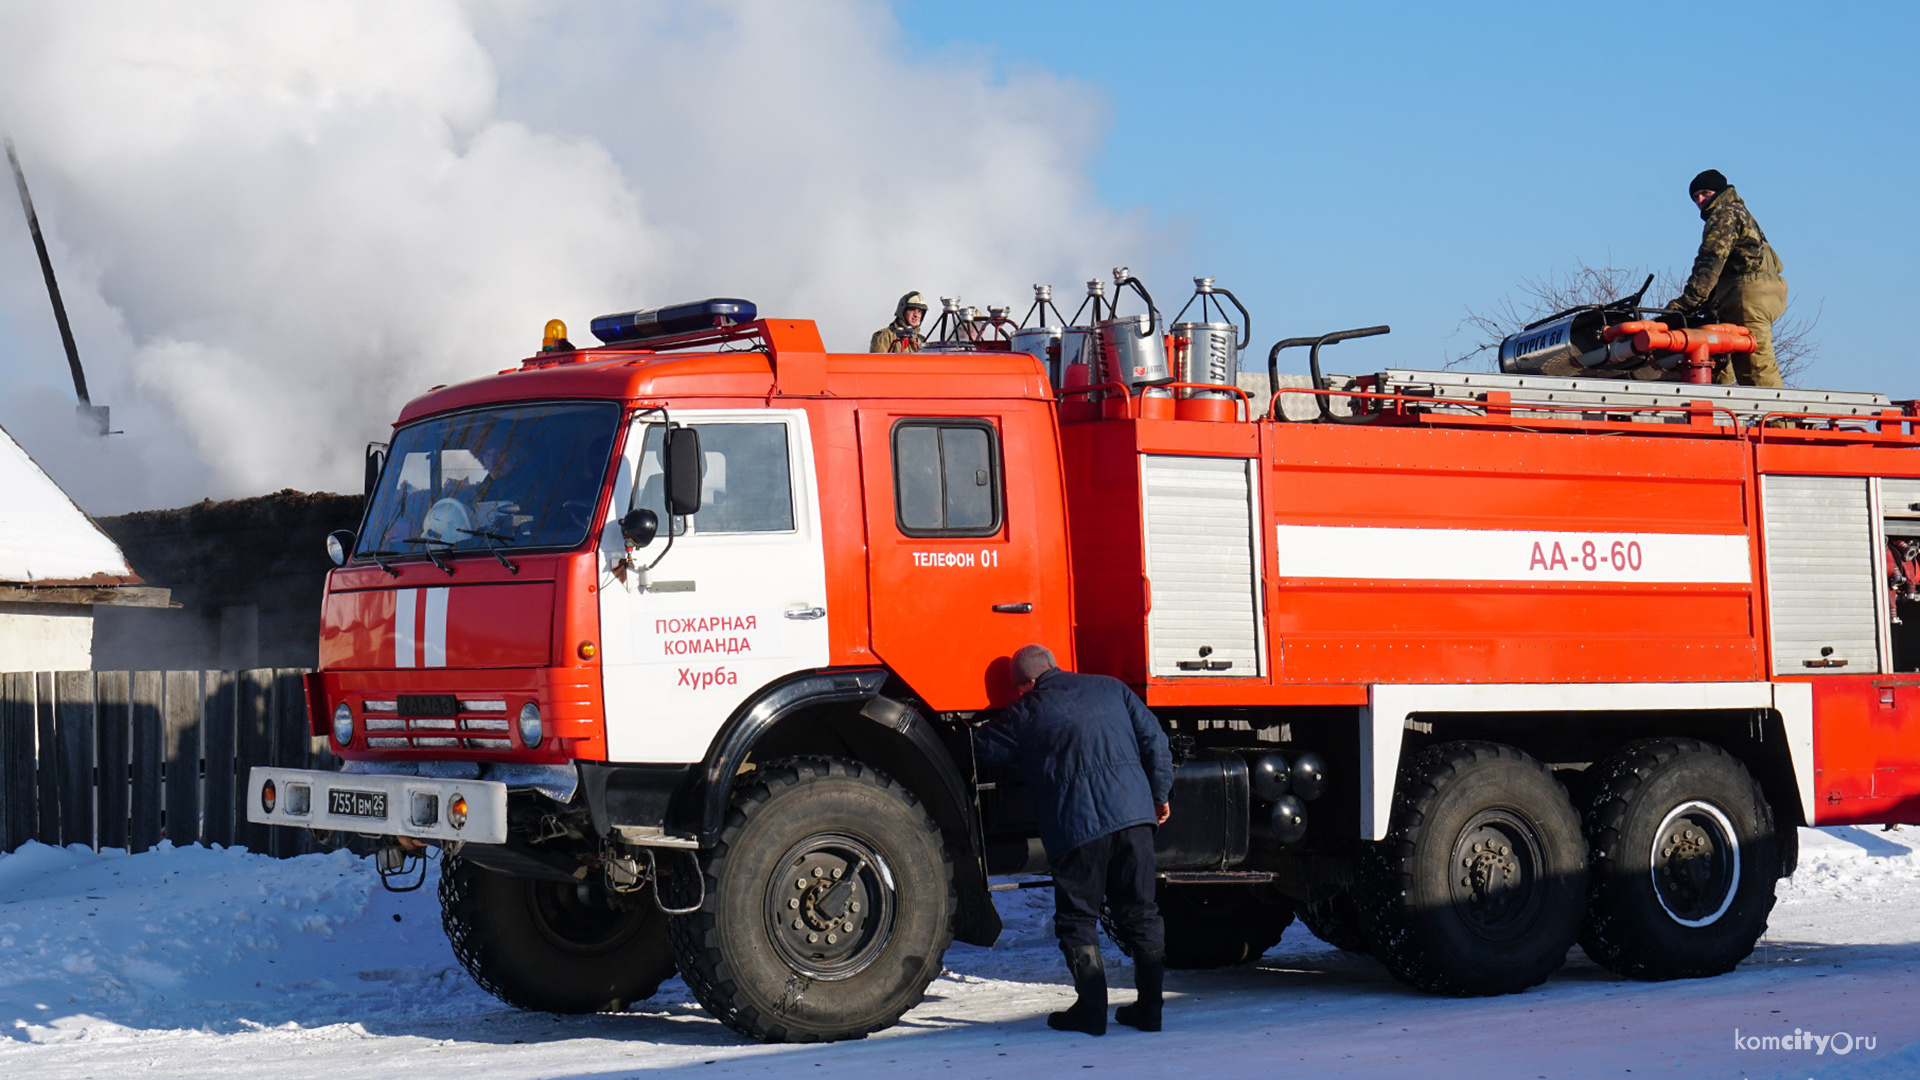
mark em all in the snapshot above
pixel 425 704
pixel 478 723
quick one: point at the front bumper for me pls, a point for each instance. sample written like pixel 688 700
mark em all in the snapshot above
pixel 414 806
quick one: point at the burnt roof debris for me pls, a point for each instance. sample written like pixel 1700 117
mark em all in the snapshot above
pixel 249 567
pixel 216 554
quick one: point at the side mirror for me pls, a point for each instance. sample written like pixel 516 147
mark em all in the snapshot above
pixel 684 466
pixel 640 527
pixel 340 546
pixel 376 461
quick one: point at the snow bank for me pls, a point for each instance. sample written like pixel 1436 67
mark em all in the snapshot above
pixel 205 939
pixel 218 963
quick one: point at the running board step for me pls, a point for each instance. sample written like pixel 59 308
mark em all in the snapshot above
pixel 653 836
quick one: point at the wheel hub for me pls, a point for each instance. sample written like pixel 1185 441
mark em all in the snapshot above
pixel 830 906
pixel 1491 872
pixel 812 902
pixel 1496 882
pixel 1695 863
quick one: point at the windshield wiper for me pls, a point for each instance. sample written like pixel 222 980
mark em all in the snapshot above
pixel 382 563
pixel 490 538
pixel 432 552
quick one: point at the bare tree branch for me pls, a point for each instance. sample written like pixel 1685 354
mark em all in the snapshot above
pixel 1794 345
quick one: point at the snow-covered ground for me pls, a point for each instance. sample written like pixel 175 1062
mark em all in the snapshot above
pixel 216 963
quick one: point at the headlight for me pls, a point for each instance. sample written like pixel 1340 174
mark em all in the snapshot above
pixel 268 797
pixel 530 725
pixel 343 724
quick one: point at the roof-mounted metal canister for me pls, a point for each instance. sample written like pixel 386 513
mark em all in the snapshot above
pixel 1132 351
pixel 1208 350
pixel 1043 338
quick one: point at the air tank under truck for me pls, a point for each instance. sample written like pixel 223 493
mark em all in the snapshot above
pixel 674 646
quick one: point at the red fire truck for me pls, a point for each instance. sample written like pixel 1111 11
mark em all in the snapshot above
pixel 673 647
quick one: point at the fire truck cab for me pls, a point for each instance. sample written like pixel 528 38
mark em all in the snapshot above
pixel 674 648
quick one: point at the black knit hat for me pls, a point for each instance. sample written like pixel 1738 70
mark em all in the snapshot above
pixel 1711 180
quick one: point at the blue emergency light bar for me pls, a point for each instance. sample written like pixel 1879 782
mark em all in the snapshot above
pixel 657 322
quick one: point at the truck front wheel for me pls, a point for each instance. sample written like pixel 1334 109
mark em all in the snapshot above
pixel 1685 856
pixel 828 904
pixel 553 946
pixel 1481 881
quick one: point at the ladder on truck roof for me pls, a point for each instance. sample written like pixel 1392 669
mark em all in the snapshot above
pixel 1589 399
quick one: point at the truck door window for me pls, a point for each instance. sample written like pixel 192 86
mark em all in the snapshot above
pixel 946 478
pixel 746 482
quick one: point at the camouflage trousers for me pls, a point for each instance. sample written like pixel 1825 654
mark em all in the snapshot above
pixel 1753 301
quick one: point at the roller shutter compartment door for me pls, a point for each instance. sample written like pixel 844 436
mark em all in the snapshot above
pixel 1821 574
pixel 1200 559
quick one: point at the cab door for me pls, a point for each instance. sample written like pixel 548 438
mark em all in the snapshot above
pixel 737 601
pixel 966 546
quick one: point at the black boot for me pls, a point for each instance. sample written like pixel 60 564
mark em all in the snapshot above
pixel 1089 1012
pixel 1149 978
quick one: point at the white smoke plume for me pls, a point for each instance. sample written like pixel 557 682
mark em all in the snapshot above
pixel 274 223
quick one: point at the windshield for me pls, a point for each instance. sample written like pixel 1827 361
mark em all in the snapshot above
pixel 527 476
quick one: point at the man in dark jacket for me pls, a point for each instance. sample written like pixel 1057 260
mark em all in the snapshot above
pixel 1736 274
pixel 1097 768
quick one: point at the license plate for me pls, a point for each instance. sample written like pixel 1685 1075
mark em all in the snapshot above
pixel 366 804
pixel 427 705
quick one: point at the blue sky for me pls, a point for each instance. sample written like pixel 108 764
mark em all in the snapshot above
pixel 276 223
pixel 1343 165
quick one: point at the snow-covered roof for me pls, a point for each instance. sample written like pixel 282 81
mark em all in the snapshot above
pixel 44 538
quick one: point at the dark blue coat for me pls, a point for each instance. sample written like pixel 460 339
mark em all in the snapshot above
pixel 1094 759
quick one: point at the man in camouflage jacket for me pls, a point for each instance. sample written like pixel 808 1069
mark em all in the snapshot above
pixel 903 333
pixel 1737 275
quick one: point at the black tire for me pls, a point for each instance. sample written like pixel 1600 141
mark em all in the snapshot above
pixel 550 946
pixel 794 827
pixel 1335 919
pixel 1579 785
pixel 1214 926
pixel 1481 882
pixel 1685 856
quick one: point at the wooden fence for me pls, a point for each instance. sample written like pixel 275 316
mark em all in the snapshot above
pixel 119 759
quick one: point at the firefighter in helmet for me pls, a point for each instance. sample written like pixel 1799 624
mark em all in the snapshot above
pixel 903 333
pixel 1736 276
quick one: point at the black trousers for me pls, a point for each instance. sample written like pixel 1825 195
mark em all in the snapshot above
pixel 1117 870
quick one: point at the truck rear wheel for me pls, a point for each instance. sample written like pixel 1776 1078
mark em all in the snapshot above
pixel 1214 926
pixel 1480 884
pixel 1335 919
pixel 553 946
pixel 828 905
pixel 1685 856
